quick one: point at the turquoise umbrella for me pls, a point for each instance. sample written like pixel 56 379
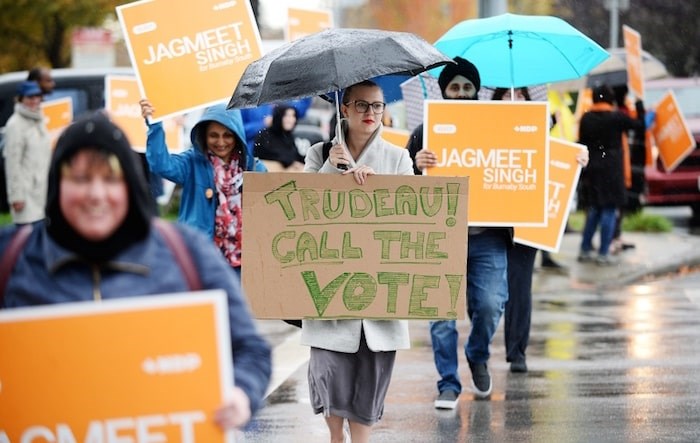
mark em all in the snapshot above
pixel 513 50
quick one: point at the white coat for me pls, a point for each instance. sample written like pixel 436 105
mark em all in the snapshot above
pixel 27 155
pixel 344 335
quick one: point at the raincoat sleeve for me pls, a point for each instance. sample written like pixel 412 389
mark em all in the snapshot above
pixel 259 166
pixel 252 364
pixel 174 167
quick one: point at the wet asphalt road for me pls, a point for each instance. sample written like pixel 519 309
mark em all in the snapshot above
pixel 612 365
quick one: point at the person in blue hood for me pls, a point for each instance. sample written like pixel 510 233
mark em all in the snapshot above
pixel 210 173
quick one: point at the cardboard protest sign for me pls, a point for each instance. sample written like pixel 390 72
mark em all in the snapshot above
pixel 58 114
pixel 133 369
pixel 633 59
pixel 321 246
pixel 502 147
pixel 396 136
pixel 122 104
pixel 302 22
pixel 189 55
pixel 564 172
pixel 671 133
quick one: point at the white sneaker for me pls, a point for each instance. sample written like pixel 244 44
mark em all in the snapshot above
pixel 447 400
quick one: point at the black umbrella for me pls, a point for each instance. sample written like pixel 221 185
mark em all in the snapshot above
pixel 331 60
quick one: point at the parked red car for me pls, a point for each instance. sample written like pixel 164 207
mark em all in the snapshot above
pixel 680 187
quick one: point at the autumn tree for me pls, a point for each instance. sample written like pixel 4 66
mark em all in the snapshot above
pixel 38 31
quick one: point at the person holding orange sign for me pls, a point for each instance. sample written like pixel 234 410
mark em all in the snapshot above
pixel 521 263
pixel 101 241
pixel 603 181
pixel 210 173
pixel 487 258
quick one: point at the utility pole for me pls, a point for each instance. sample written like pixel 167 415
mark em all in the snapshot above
pixel 489 8
pixel 615 6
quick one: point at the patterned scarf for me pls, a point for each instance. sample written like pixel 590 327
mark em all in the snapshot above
pixel 228 179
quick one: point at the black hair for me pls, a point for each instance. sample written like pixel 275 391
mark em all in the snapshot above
pixel 498 93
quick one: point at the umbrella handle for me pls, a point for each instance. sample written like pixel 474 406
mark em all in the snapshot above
pixel 339 128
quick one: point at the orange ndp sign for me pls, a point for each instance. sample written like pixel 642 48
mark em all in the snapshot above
pixel 671 133
pixel 633 58
pixel 58 114
pixel 502 148
pixel 303 22
pixel 142 369
pixel 189 55
pixel 121 103
pixel 396 136
pixel 564 172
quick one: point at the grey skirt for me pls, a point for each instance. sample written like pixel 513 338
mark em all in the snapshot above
pixel 352 386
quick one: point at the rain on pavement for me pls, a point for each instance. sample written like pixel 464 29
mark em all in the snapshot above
pixel 605 365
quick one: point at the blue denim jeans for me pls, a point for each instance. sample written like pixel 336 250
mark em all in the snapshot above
pixel 604 216
pixel 487 293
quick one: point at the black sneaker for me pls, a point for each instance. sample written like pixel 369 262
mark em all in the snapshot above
pixel 585 257
pixel 447 400
pixel 518 366
pixel 481 379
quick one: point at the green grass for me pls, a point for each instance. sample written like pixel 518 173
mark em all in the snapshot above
pixel 5 219
pixel 634 222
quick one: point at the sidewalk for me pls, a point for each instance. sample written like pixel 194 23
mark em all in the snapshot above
pixel 654 254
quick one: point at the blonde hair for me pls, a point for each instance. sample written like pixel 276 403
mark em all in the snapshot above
pixel 96 158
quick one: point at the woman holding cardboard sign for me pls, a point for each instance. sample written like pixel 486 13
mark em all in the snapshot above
pixel 100 241
pixel 352 360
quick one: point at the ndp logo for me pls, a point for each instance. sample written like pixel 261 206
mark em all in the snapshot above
pixel 171 364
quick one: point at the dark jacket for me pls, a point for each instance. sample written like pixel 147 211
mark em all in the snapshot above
pixel 276 144
pixel 602 181
pixel 58 265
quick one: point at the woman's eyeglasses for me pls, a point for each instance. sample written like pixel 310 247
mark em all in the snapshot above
pixel 362 106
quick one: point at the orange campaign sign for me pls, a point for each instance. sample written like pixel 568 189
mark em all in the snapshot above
pixel 396 136
pixel 564 173
pixel 671 133
pixel 121 103
pixel 189 55
pixel 58 114
pixel 302 22
pixel 502 147
pixel 138 369
pixel 633 58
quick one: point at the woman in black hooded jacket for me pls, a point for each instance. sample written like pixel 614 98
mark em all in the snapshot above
pixel 275 145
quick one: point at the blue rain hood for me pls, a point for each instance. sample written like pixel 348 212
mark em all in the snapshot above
pixel 229 118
